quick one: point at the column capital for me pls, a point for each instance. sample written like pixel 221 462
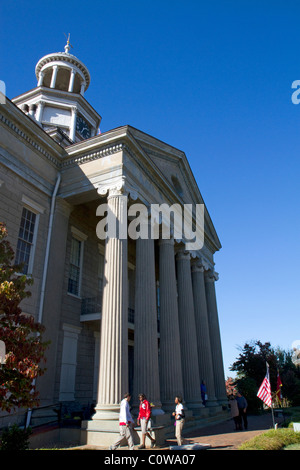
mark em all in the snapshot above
pixel 166 241
pixel 118 187
pixel 183 254
pixel 211 275
pixel 199 265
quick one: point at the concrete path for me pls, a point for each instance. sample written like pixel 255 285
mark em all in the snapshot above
pixel 222 436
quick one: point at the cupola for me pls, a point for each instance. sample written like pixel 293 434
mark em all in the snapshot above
pixel 58 103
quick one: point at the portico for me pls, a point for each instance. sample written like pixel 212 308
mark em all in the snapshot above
pixel 170 291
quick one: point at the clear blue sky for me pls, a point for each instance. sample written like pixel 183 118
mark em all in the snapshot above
pixel 212 78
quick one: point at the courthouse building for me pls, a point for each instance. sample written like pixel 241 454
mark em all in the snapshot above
pixel 121 314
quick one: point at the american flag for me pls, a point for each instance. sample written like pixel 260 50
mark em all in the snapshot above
pixel 264 392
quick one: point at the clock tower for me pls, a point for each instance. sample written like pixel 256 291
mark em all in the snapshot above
pixel 57 103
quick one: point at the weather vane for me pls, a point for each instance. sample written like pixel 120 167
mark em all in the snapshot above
pixel 68 45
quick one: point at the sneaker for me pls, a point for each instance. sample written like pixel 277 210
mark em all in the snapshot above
pixel 153 443
pixel 141 447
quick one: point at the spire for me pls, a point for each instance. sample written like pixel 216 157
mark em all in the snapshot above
pixel 68 45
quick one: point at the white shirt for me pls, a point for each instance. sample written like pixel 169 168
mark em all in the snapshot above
pixel 125 415
pixel 179 409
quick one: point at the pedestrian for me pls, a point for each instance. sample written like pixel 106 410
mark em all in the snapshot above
pixel 203 393
pixel 143 420
pixel 242 406
pixel 234 409
pixel 126 424
pixel 179 419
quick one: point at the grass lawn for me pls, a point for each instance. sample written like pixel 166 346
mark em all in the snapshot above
pixel 292 447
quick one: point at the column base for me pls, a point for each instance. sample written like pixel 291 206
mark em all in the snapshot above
pixel 196 408
pixel 109 413
pixel 92 435
pixel 223 401
pixel 212 402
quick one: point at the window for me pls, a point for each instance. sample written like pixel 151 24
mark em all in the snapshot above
pixel 26 240
pixel 76 259
pixel 74 273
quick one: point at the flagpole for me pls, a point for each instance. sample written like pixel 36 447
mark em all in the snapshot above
pixel 273 419
pixel 273 415
pixel 265 393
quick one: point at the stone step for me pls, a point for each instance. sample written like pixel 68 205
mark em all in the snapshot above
pixel 197 422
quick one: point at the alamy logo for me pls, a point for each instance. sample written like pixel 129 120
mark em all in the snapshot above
pixel 2 92
pixel 295 96
pixel 296 352
pixel 156 221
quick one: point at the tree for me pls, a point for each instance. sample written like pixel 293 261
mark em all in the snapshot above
pixel 230 387
pixel 21 334
pixel 251 370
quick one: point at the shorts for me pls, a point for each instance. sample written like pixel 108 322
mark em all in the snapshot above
pixel 143 425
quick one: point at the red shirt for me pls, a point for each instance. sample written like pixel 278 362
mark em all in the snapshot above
pixel 145 410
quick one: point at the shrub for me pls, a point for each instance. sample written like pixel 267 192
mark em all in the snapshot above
pixel 15 438
pixel 272 440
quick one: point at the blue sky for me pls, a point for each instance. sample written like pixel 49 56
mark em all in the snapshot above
pixel 212 78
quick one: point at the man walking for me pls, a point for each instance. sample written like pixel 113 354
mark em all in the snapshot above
pixel 126 424
pixel 242 405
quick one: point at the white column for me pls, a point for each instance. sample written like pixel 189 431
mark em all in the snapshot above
pixel 71 82
pixel 73 123
pixel 202 330
pixel 113 370
pixel 54 75
pixel 41 76
pixel 39 113
pixel 82 88
pixel 171 383
pixel 215 338
pixel 146 370
pixel 187 327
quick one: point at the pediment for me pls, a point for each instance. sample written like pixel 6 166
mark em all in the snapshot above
pixel 173 167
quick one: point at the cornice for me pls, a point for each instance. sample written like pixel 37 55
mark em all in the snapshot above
pixel 88 157
pixel 65 99
pixel 29 140
pixel 115 141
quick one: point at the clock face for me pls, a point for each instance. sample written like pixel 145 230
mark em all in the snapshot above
pixel 83 128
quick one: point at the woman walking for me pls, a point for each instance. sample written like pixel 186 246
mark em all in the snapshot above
pixel 179 420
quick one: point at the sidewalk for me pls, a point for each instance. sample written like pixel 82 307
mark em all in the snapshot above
pixel 222 436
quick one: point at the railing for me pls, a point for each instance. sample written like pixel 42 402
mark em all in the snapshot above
pixel 90 305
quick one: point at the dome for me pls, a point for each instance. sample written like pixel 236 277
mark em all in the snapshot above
pixel 57 103
pixel 63 71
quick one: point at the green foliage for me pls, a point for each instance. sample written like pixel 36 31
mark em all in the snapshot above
pixel 247 386
pixel 275 439
pixel 251 364
pixel 15 438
